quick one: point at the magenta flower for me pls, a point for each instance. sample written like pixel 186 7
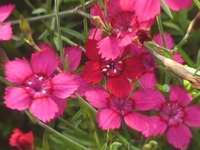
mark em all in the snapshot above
pixel 176 116
pixel 121 27
pixel 38 86
pixel 5 27
pixel 112 111
pixel 148 9
pixel 169 41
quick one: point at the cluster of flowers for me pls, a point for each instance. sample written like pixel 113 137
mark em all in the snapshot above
pixel 117 59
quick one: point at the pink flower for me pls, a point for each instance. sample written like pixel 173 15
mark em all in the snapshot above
pixel 169 41
pixel 112 111
pixel 5 27
pixel 117 72
pixel 37 85
pixel 175 118
pixel 121 27
pixel 21 140
pixel 148 9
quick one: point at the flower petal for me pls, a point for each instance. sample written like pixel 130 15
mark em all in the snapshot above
pixel 5 11
pixel 45 61
pixel 108 119
pixel 61 103
pixel 179 136
pixel 148 81
pixel 73 57
pixel 178 5
pixel 95 34
pixel 147 9
pixel 17 71
pixel 64 85
pixel 149 126
pixel 92 72
pixel 192 114
pixel 119 86
pixel 147 99
pixel 134 67
pixel 92 50
pixel 180 95
pixel 97 97
pixel 168 39
pixel 5 31
pixel 44 109
pixel 109 48
pixel 17 98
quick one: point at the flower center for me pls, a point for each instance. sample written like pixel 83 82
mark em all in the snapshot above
pixel 112 68
pixel 122 106
pixel 172 113
pixel 38 86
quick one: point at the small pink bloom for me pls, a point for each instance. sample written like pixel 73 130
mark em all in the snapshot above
pixel 123 27
pixel 111 110
pixel 5 27
pixel 168 43
pixel 37 85
pixel 21 140
pixel 175 118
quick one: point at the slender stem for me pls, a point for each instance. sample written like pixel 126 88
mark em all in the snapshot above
pixel 161 30
pixel 189 30
pixel 75 10
pixel 60 48
pixel 48 128
pixel 61 135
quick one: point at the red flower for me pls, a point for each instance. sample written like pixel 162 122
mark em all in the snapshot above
pixel 21 140
pixel 117 72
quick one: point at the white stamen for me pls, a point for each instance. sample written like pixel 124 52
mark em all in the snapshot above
pixel 30 83
pixel 108 66
pixel 104 70
pixel 40 78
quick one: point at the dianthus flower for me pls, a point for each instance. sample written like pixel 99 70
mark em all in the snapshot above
pixel 38 86
pixel 112 111
pixel 176 116
pixel 121 27
pixel 117 72
pixel 21 140
pixel 5 27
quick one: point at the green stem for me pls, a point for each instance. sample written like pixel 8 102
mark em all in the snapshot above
pixel 61 135
pixel 48 128
pixel 188 32
pixel 161 30
pixel 61 49
pixel 75 10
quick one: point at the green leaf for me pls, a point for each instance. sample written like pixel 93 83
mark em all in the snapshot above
pixel 166 9
pixel 197 3
pixel 115 146
pixel 39 11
